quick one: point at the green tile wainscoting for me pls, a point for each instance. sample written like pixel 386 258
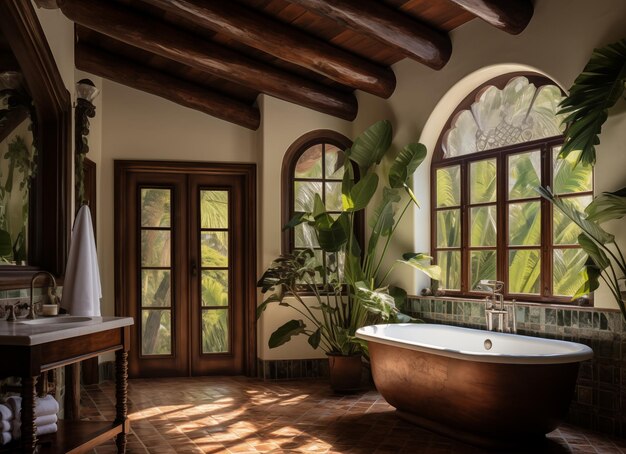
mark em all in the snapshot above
pixel 600 398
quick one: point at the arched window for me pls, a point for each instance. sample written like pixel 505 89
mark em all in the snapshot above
pixel 313 165
pixel 488 221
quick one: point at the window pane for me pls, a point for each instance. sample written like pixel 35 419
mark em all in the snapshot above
pixel 564 230
pixel 335 159
pixel 214 331
pixel 483 221
pixel 525 224
pixel 569 177
pixel 155 288
pixel 304 195
pixel 333 197
pixel 304 236
pixel 334 266
pixel 449 186
pixel 156 332
pixel 450 263
pixel 483 181
pixel 155 248
pixel 155 207
pixel 215 287
pixel 524 271
pixel 214 249
pixel 214 209
pixel 310 163
pixel 319 261
pixel 524 175
pixel 449 228
pixel 567 265
pixel 483 266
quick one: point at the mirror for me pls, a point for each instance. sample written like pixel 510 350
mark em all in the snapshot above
pixel 18 158
pixel 35 153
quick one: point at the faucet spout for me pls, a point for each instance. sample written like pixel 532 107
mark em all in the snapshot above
pixel 31 307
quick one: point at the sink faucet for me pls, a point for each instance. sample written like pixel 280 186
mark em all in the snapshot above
pixel 52 294
pixel 498 311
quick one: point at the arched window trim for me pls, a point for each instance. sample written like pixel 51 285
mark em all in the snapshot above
pixel 295 150
pixel 546 247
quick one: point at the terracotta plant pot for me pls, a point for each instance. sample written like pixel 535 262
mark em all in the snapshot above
pixel 345 372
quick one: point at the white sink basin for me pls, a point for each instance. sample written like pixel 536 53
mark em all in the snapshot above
pixel 56 320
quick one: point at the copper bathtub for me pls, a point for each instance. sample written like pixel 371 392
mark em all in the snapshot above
pixel 490 389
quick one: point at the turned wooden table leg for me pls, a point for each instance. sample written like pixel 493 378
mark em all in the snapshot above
pixel 121 396
pixel 29 434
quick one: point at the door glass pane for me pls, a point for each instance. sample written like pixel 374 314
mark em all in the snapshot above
pixel 310 163
pixel 449 228
pixel 570 177
pixel 215 287
pixel 483 181
pixel 215 331
pixel 483 226
pixel 450 263
pixel 525 224
pixel 155 207
pixel 304 194
pixel 156 332
pixel 155 248
pixel 483 266
pixel 333 196
pixel 449 186
pixel 335 159
pixel 155 288
pixel 564 230
pixel 567 265
pixel 214 249
pixel 524 271
pixel 214 209
pixel 524 175
pixel 304 236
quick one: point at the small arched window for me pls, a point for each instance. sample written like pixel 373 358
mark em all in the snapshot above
pixel 313 165
pixel 488 220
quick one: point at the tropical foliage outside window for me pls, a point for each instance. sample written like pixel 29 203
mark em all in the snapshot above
pixel 489 221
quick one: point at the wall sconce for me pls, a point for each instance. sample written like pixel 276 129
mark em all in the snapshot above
pixel 86 92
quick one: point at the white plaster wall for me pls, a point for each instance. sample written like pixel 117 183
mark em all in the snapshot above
pixel 558 42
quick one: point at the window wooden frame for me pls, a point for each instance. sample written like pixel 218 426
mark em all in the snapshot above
pixel 502 248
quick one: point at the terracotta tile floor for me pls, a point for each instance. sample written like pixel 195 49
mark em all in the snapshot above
pixel 241 415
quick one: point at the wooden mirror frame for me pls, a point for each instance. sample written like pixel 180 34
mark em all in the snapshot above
pixel 49 230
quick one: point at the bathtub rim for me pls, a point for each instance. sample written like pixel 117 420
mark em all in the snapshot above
pixel 582 353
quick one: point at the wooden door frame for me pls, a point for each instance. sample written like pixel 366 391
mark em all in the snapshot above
pixel 245 171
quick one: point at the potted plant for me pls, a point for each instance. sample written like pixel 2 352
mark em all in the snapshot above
pixel 355 292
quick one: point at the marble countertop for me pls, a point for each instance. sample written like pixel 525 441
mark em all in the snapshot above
pixel 17 333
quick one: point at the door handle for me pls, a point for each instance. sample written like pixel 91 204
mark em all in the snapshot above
pixel 194 268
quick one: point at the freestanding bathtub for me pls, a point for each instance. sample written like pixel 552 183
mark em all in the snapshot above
pixel 486 388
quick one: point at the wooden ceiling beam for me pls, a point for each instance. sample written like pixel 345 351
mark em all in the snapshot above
pixel 162 39
pixel 512 16
pixel 377 20
pixel 123 71
pixel 283 41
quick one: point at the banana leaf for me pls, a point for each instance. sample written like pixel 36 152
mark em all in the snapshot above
pixel 608 206
pixel 371 145
pixel 405 164
pixel 284 334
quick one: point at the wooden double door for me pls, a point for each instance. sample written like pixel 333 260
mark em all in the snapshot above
pixel 185 267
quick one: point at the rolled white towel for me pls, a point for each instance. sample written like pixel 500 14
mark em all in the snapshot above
pixel 41 421
pixel 5 426
pixel 6 414
pixel 41 430
pixel 43 406
pixel 5 437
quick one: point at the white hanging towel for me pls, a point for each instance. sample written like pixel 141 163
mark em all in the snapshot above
pixel 81 288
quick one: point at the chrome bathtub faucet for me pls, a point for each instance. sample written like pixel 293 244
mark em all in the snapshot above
pixel 497 314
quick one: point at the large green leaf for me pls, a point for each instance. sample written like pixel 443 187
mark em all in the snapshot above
pixel 276 297
pixel 286 332
pixel 382 221
pixel 298 218
pixel 421 261
pixel 371 145
pixel 360 194
pixel 594 92
pixel 315 338
pixel 608 206
pixel 593 251
pixel 591 274
pixel 353 272
pixel 405 164
pixel 331 234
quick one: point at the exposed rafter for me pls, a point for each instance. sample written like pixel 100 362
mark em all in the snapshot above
pixel 375 19
pixel 123 71
pixel 162 39
pixel 283 41
pixel 512 16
